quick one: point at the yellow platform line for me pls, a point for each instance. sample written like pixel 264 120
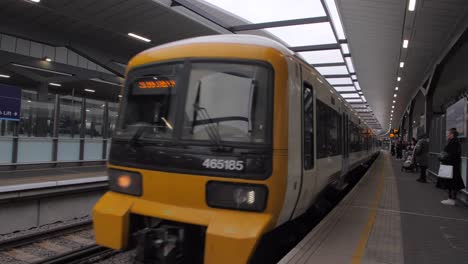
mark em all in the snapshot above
pixel 361 247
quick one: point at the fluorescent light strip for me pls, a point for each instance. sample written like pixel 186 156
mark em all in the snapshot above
pixel 55 84
pixel 139 37
pixel 41 69
pixel 103 81
pixel 89 90
pixel 412 5
pixel 405 44
pixel 4 76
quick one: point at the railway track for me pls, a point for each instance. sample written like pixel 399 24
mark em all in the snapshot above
pixel 68 244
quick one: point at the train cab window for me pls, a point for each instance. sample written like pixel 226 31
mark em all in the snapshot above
pixel 308 126
pixel 328 129
pixel 227 102
pixel 150 107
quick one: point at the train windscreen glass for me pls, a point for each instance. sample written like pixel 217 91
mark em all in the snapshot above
pixel 226 102
pixel 209 102
pixel 150 107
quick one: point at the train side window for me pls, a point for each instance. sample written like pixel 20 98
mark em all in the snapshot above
pixel 308 126
pixel 328 129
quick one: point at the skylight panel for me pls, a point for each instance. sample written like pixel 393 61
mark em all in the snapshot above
pixel 345 48
pixel 322 56
pixel 359 106
pixel 358 87
pixel 350 95
pixel 345 89
pixel 305 35
pixel 349 62
pixel 332 70
pixel 334 81
pixel 354 100
pixel 260 11
pixel 336 19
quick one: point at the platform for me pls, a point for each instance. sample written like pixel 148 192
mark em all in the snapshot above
pixel 40 176
pixel 388 217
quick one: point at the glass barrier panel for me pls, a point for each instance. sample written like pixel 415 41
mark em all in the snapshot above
pixel 94 118
pixel 70 117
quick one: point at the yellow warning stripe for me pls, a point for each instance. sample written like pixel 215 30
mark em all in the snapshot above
pixel 361 247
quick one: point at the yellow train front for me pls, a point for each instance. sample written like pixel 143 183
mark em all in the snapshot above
pixel 213 148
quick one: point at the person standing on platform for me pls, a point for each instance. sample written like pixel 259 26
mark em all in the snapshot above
pixel 399 150
pixel 453 158
pixel 421 156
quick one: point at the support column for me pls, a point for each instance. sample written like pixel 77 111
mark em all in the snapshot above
pixel 105 130
pixel 55 129
pixel 41 128
pixel 429 102
pixel 410 119
pixel 83 128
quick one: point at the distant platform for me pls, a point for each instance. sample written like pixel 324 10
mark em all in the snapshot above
pixel 50 177
pixel 388 217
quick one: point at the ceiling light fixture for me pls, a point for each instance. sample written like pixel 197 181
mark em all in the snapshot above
pixel 399 79
pixel 34 1
pixel 412 5
pixel 89 90
pixel 139 37
pixel 47 59
pixel 396 88
pixel 391 111
pixel 394 101
pixel 4 76
pixel 394 95
pixel 405 44
pixel 402 64
pixel 393 106
pixel 55 84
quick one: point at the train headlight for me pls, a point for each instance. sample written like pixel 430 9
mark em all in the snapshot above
pixel 248 197
pixel 125 182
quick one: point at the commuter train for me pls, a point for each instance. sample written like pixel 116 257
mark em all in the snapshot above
pixel 220 140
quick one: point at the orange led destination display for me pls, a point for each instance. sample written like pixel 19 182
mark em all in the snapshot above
pixel 156 84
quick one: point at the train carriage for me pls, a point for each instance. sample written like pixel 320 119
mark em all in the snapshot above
pixel 220 140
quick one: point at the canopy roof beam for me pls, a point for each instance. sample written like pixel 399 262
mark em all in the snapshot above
pixel 282 23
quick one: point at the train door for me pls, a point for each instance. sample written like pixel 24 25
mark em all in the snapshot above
pixel 309 179
pixel 345 145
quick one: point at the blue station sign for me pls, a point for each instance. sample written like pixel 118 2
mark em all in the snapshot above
pixel 10 102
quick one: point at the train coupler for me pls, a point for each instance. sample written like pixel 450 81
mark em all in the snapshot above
pixel 161 245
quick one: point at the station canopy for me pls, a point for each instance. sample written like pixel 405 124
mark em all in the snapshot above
pixel 313 29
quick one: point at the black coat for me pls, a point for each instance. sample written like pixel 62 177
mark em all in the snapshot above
pixel 453 149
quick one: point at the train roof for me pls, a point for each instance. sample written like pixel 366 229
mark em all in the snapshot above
pixel 228 39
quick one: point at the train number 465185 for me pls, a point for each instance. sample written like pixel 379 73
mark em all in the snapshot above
pixel 233 165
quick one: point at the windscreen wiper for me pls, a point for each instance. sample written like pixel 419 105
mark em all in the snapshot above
pixel 135 140
pixel 211 129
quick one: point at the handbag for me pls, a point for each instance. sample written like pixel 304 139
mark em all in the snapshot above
pixel 445 171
